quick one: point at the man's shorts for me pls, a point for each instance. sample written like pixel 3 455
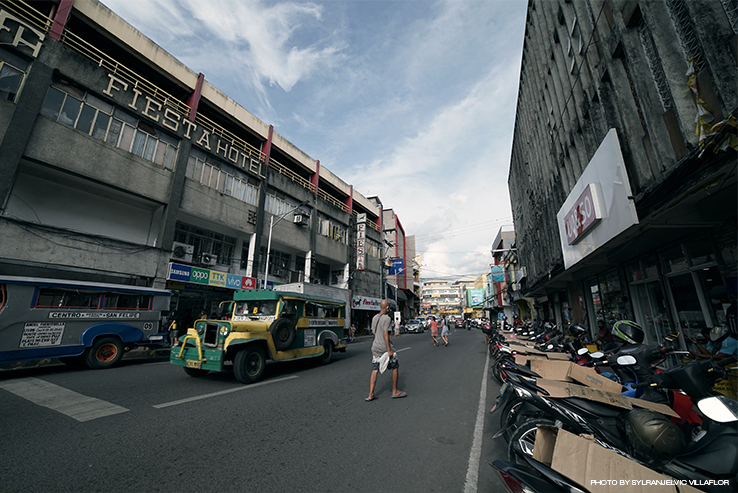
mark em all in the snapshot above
pixel 393 364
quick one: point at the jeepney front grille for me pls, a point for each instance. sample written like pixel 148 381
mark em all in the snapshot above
pixel 210 338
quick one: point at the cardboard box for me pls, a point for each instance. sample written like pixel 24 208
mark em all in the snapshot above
pixel 559 389
pixel 551 369
pixel 589 377
pixel 597 469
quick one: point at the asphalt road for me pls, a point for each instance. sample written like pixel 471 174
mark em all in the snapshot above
pixel 147 427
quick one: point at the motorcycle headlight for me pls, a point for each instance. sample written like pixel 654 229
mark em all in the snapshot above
pixel 225 330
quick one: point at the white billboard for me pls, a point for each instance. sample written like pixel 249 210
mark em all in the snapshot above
pixel 600 206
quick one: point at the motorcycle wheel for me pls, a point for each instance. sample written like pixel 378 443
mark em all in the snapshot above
pixel 523 439
pixel 510 417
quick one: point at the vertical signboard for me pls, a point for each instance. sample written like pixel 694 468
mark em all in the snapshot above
pixel 360 241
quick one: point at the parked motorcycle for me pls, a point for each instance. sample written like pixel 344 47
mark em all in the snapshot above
pixel 645 436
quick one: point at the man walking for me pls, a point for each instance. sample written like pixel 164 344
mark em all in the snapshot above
pixel 382 327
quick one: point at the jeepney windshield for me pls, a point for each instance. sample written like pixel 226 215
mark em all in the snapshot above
pixel 256 308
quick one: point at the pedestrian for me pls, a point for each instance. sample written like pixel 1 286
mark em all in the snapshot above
pixel 604 337
pixel 444 333
pixel 171 330
pixel 397 327
pixel 382 328
pixel 352 332
pixel 434 330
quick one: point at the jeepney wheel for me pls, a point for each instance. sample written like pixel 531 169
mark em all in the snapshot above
pixel 249 363
pixel 283 333
pixel 327 355
pixel 104 353
pixel 196 372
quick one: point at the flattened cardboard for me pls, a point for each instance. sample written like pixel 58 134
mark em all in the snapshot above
pixel 584 461
pixel 552 369
pixel 558 356
pixel 655 407
pixel 591 378
pixel 580 459
pixel 559 389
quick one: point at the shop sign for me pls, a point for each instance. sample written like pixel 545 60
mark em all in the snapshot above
pixel 585 214
pixel 600 206
pixel 360 241
pixel 179 272
pixel 195 276
pixel 364 303
pixel 217 278
pixel 497 273
pixel 200 276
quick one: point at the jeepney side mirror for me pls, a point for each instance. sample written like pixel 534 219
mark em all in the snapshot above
pixel 229 307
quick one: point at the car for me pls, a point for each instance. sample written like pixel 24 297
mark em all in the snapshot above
pixel 415 326
pixel 460 323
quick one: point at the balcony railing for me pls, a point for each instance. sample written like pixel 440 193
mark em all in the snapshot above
pixel 332 200
pixel 124 73
pixel 284 170
pixel 28 14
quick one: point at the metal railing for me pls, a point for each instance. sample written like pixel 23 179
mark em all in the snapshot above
pixel 229 136
pixel 284 170
pixel 332 200
pixel 25 12
pixel 124 73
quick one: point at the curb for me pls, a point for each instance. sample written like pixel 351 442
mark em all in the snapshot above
pixel 134 354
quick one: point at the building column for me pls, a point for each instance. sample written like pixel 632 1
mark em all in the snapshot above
pixel 20 127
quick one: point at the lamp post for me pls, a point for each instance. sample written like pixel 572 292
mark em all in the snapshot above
pixel 272 222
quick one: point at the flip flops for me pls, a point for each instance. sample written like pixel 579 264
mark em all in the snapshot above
pixel 401 394
pixel 369 399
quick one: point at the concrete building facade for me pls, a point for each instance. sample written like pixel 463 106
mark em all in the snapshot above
pixel 122 165
pixel 622 177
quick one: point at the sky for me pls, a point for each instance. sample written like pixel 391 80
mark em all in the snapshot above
pixel 409 100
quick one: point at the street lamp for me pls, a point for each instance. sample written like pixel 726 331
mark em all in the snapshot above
pixel 272 222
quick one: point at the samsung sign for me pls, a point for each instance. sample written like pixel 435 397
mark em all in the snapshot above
pixel 599 207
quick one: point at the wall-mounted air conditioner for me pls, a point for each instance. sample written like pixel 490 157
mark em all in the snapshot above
pixel 301 219
pixel 208 259
pixel 182 252
pixel 277 272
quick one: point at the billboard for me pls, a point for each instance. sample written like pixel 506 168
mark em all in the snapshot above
pixel 475 297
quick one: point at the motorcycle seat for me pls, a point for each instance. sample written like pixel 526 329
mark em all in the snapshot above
pixel 596 408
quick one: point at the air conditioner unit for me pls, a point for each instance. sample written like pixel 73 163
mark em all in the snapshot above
pixel 182 251
pixel 301 219
pixel 208 259
pixel 277 272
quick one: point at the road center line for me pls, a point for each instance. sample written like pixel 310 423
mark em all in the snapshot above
pixel 65 401
pixel 222 392
pixel 472 473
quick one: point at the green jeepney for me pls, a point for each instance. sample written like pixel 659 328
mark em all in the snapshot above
pixel 261 325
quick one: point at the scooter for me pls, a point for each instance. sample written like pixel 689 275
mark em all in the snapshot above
pixel 647 437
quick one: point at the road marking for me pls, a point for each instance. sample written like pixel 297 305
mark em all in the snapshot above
pixel 403 349
pixel 472 473
pixel 65 401
pixel 222 392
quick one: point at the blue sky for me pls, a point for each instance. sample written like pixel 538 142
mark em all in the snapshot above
pixel 412 101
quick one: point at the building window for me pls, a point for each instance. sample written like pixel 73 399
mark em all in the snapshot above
pixel 233 183
pixel 12 72
pixel 333 230
pixel 279 262
pixel 206 243
pixel 93 116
